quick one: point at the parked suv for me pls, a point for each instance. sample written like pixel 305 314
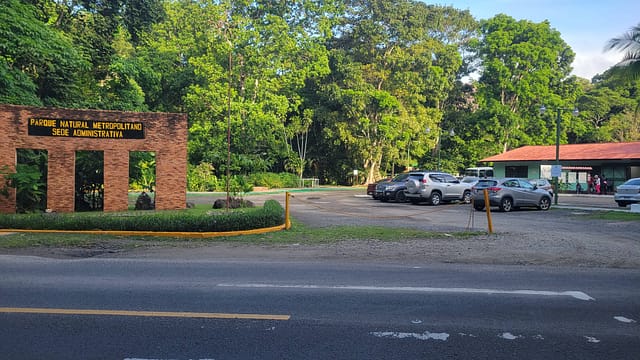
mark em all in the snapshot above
pixel 393 189
pixel 510 193
pixel 436 187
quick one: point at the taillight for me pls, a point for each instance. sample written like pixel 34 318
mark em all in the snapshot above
pixel 494 189
pixel 424 180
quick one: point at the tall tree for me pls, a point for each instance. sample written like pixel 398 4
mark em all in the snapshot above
pixel 252 60
pixel 524 65
pixel 389 78
pixel 39 63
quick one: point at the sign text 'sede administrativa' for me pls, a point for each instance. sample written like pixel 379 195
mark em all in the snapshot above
pixel 86 128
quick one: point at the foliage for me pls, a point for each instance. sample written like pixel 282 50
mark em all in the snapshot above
pixel 201 178
pixel 316 88
pixel 89 180
pixel 30 190
pixel 630 43
pixel 142 170
pixel 39 64
pixel 273 180
pixel 392 69
pixel 524 65
pixel 271 214
pixel 239 185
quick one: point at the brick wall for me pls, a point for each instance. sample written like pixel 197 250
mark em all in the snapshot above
pixel 165 134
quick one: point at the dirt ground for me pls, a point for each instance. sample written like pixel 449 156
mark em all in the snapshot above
pixel 563 236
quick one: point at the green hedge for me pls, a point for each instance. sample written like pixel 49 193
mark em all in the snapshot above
pixel 271 214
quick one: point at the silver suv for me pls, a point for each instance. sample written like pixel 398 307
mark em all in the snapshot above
pixel 436 187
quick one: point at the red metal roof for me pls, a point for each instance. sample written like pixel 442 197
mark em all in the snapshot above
pixel 599 151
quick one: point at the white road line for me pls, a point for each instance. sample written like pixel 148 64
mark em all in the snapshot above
pixel 574 294
pixel 403 335
pixel 624 319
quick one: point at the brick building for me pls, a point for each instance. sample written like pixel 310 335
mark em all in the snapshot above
pixel 62 132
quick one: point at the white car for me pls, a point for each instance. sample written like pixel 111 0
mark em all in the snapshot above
pixel 628 193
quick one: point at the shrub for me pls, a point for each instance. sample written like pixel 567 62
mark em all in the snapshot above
pixel 30 189
pixel 271 214
pixel 201 178
pixel 274 180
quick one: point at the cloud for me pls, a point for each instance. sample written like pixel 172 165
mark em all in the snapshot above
pixel 587 64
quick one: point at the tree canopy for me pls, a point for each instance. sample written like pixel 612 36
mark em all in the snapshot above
pixel 317 88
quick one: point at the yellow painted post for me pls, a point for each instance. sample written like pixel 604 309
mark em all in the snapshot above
pixel 287 222
pixel 488 207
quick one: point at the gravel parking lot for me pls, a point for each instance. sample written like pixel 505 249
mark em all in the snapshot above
pixel 566 235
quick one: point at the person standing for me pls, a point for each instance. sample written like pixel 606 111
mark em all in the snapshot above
pixel 596 181
pixel 604 186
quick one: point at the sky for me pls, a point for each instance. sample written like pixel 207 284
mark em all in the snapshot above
pixel 586 25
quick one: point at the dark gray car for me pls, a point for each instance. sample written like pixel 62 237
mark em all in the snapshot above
pixel 510 193
pixel 393 189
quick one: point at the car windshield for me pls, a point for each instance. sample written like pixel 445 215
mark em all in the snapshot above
pixel 486 183
pixel 635 182
pixel 400 177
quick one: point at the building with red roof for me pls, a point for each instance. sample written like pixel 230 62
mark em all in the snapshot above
pixel 615 161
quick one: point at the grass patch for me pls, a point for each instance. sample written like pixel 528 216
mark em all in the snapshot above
pixel 613 215
pixel 298 234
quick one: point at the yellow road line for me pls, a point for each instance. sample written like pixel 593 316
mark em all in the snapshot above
pixel 143 313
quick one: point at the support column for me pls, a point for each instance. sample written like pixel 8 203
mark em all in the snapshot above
pixel 171 180
pixel 61 180
pixel 116 180
pixel 8 165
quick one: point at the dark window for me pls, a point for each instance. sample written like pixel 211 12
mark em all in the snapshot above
pixel 436 178
pixel 516 171
pixel 450 179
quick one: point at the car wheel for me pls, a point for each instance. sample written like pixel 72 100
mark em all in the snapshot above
pixel 506 204
pixel 466 197
pixel 621 203
pixel 545 203
pixel 435 199
pixel 400 196
pixel 478 207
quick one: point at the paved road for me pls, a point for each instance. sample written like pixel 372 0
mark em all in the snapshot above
pixel 312 310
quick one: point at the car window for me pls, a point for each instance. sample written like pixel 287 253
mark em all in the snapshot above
pixel 511 183
pixel 416 177
pixel 450 179
pixel 401 177
pixel 436 177
pixel 469 179
pixel 527 185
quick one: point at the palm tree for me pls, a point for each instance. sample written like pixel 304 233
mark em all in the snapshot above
pixel 629 42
